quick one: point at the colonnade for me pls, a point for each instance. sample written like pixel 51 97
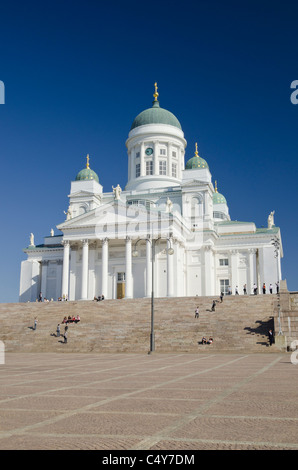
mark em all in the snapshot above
pixel 105 270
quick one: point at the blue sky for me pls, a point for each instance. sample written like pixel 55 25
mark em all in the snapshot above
pixel 76 74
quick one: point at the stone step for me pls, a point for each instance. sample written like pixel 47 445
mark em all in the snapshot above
pixel 239 323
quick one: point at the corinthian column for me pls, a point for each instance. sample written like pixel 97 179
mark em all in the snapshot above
pixel 85 253
pixel 104 268
pixel 128 269
pixel 170 271
pixel 65 272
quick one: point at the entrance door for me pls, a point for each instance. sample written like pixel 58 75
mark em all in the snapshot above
pixel 120 285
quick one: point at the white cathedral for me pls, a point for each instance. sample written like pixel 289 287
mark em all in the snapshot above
pixel 168 231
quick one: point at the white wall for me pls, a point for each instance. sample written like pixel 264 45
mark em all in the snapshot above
pixel 30 281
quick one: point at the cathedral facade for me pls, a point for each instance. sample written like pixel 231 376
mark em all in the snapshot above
pixel 168 231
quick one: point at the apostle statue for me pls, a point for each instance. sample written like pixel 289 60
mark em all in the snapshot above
pixel 271 219
pixel 117 192
pixel 68 214
pixel 169 205
pixel 31 239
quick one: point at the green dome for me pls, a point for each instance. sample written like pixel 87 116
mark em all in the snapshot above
pixel 87 174
pixel 155 115
pixel 217 197
pixel 196 161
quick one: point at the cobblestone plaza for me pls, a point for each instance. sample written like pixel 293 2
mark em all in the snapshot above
pixel 148 402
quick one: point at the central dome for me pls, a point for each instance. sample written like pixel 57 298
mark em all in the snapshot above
pixel 155 115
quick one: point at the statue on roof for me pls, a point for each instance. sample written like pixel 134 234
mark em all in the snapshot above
pixel 68 214
pixel 271 219
pixel 117 192
pixel 31 239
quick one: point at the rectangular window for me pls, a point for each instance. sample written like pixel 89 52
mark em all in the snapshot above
pixel 138 170
pixel 121 277
pixel 224 262
pixel 174 170
pixel 149 168
pixel 224 286
pixel 138 155
pixel 163 152
pixel 174 154
pixel 163 168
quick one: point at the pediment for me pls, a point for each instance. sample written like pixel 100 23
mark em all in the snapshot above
pixel 117 219
pixel 82 193
pixel 194 182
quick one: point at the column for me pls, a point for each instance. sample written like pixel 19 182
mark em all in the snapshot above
pixel 65 270
pixel 142 161
pixel 44 271
pixel 128 269
pixel 91 272
pixel 234 270
pixel 132 164
pixel 156 158
pixel 85 253
pixel 104 267
pixel 209 288
pixel 251 277
pixel 169 159
pixel 72 291
pixel 59 278
pixel 170 271
pixel 148 269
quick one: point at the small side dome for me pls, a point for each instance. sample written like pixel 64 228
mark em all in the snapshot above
pixel 196 161
pixel 87 174
pixel 217 197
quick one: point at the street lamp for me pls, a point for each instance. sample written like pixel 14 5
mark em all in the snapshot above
pixel 276 243
pixel 135 253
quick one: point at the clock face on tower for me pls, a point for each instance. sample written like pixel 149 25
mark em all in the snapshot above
pixel 149 151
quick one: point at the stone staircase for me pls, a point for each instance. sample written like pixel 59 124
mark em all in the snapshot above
pixel 240 323
pixel 287 317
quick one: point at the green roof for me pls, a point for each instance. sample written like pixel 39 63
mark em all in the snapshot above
pixel 155 115
pixel 87 174
pixel 196 162
pixel 219 198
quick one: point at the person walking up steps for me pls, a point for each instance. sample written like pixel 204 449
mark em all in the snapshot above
pixel 197 312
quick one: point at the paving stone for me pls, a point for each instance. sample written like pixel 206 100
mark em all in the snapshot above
pixel 134 402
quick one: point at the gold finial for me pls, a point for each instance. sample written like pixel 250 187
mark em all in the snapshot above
pixel 216 186
pixel 196 152
pixel 155 94
pixel 87 164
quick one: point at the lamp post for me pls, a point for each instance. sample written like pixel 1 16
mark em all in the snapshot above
pixel 135 253
pixel 276 243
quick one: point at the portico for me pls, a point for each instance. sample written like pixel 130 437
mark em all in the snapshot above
pixel 96 268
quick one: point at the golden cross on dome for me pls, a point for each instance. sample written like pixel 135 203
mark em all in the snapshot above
pixel 196 152
pixel 216 186
pixel 87 164
pixel 155 94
